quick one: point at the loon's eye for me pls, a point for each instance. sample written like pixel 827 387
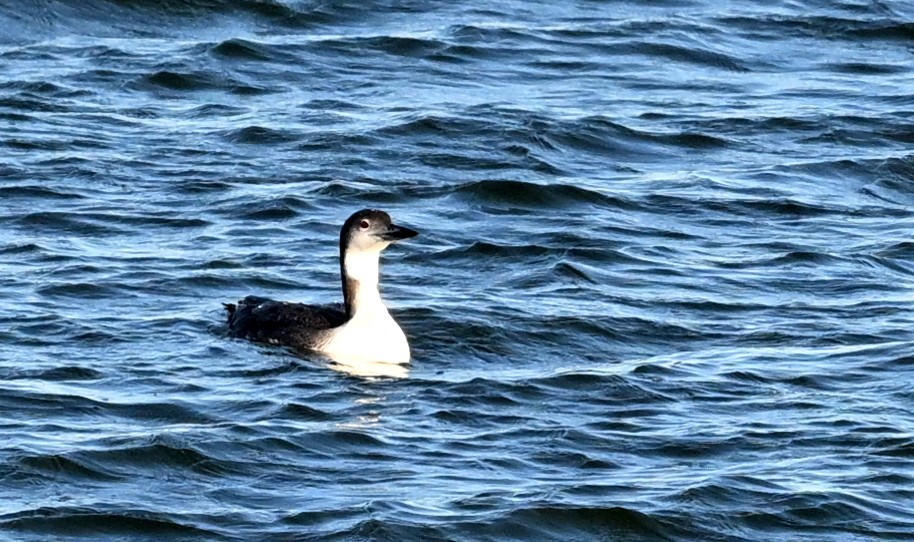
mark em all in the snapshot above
pixel 364 225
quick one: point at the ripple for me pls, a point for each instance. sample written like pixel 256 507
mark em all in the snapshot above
pixel 246 50
pixel 196 81
pixel 571 523
pixel 62 466
pixel 866 68
pixel 600 135
pixel 259 135
pixel 57 374
pixel 662 289
pixel 123 461
pixel 519 193
pixel 86 290
pixel 86 521
pixel 692 55
pixel 300 411
pixel 893 182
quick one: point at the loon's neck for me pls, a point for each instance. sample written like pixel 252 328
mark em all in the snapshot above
pixel 360 270
pixel 370 334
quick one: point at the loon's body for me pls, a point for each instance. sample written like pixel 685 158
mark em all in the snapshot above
pixel 361 330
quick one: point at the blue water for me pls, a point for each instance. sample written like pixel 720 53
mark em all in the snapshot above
pixel 662 291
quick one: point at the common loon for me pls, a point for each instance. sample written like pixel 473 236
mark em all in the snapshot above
pixel 358 331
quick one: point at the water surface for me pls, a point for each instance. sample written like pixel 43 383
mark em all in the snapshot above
pixel 662 290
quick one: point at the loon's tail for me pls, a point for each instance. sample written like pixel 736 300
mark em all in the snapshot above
pixel 230 308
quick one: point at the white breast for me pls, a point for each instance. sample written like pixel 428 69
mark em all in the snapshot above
pixel 369 337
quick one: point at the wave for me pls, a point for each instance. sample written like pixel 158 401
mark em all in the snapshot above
pixel 679 53
pixel 260 135
pixel 100 521
pixel 660 242
pixel 242 49
pixel 533 195
pixel 541 138
pixel 175 81
pixel 54 374
pixel 166 18
pixel 872 26
pixel 567 522
pixel 893 182
pixel 756 207
pixel 95 224
pixel 38 192
pixel 598 134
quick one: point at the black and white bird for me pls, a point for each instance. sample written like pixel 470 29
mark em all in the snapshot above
pixel 361 330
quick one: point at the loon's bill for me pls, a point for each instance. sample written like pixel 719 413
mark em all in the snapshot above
pixel 361 330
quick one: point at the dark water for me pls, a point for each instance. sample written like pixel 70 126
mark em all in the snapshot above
pixel 663 290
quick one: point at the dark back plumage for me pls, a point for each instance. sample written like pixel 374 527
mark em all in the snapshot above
pixel 293 324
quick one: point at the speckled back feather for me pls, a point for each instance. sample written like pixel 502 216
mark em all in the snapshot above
pixel 277 322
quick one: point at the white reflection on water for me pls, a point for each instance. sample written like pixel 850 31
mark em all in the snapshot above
pixel 373 369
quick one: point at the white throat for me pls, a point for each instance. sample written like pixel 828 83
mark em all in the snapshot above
pixel 363 266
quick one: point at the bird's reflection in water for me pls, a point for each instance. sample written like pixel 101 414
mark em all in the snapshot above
pixel 376 369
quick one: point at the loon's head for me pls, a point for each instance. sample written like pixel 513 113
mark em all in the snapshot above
pixel 371 231
pixel 364 235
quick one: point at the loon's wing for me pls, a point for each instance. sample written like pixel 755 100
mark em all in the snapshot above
pixel 292 324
